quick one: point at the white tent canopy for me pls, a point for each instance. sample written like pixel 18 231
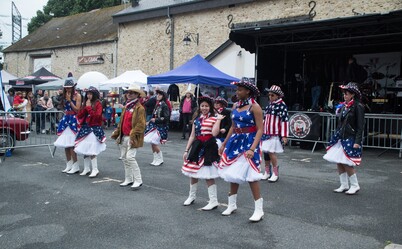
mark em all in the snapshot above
pixel 92 78
pixel 127 78
pixel 6 76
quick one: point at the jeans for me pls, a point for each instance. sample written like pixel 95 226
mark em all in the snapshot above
pixel 315 95
pixel 186 117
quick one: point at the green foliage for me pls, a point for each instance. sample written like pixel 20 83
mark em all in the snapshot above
pixel 60 8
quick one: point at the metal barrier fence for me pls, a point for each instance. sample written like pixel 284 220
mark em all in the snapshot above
pixel 382 131
pixel 28 129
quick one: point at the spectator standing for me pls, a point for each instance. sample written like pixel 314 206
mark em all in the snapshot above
pixel 130 135
pixel 188 105
pixel 10 96
pixel 108 114
pixel 46 103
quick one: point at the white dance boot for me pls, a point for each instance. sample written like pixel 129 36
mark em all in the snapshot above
pixel 128 173
pixel 159 159
pixel 95 171
pixel 232 207
pixel 87 168
pixel 191 195
pixel 75 168
pixel 213 199
pixel 69 164
pixel 155 156
pixel 354 185
pixel 267 173
pixel 275 174
pixel 343 178
pixel 258 212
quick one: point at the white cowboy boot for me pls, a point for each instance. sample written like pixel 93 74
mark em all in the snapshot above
pixel 213 199
pixel 275 174
pixel 74 169
pixel 69 164
pixel 137 175
pixel 267 173
pixel 354 185
pixel 231 205
pixel 344 183
pixel 155 156
pixel 128 172
pixel 191 195
pixel 87 168
pixel 258 212
pixel 159 159
pixel 95 171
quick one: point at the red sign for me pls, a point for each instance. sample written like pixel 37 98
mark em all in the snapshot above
pixel 90 59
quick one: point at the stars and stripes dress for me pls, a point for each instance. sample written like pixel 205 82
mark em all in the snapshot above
pixel 157 132
pixel 276 126
pixel 203 158
pixel 341 150
pixel 234 166
pixel 68 127
pixel 91 138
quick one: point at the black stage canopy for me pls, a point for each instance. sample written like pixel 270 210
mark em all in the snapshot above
pixel 302 33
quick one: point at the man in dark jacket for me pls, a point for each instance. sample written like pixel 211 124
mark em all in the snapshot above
pixel 150 105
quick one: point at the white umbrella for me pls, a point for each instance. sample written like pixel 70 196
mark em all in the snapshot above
pixel 127 78
pixel 92 78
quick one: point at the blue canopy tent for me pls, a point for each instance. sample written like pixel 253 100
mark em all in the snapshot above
pixel 196 71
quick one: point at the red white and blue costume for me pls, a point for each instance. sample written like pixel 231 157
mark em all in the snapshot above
pixel 234 166
pixel 157 132
pixel 91 138
pixel 203 158
pixel 276 126
pixel 340 149
pixel 68 127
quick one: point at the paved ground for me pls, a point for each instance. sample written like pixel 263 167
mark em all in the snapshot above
pixel 40 207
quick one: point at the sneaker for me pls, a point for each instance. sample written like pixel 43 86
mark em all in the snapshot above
pixel 43 131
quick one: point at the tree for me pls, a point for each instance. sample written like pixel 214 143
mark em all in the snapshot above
pixel 60 8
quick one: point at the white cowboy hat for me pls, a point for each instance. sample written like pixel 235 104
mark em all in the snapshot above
pixel 135 88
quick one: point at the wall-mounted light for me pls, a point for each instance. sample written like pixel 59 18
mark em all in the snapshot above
pixel 190 37
pixel 101 58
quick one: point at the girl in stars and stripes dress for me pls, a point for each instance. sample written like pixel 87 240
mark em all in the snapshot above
pixel 345 147
pixel 201 156
pixel 91 139
pixel 156 132
pixel 68 126
pixel 241 155
pixel 276 131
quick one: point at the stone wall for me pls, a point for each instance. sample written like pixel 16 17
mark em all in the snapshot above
pixel 146 46
pixel 65 60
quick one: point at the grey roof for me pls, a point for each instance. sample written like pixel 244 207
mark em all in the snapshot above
pixel 85 28
pixel 147 9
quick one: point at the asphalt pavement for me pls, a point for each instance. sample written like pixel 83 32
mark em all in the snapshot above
pixel 40 207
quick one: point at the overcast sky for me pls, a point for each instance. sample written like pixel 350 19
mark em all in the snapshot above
pixel 27 9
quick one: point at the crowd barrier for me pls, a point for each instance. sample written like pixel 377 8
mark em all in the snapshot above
pixel 28 130
pixel 381 131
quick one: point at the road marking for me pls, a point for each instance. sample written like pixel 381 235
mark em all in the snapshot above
pixel 107 179
pixel 35 164
pixel 307 160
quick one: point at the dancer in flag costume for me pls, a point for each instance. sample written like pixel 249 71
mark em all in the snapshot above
pixel 276 131
pixel 201 156
pixel 68 126
pixel 241 155
pixel 345 147
pixel 156 132
pixel 90 140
